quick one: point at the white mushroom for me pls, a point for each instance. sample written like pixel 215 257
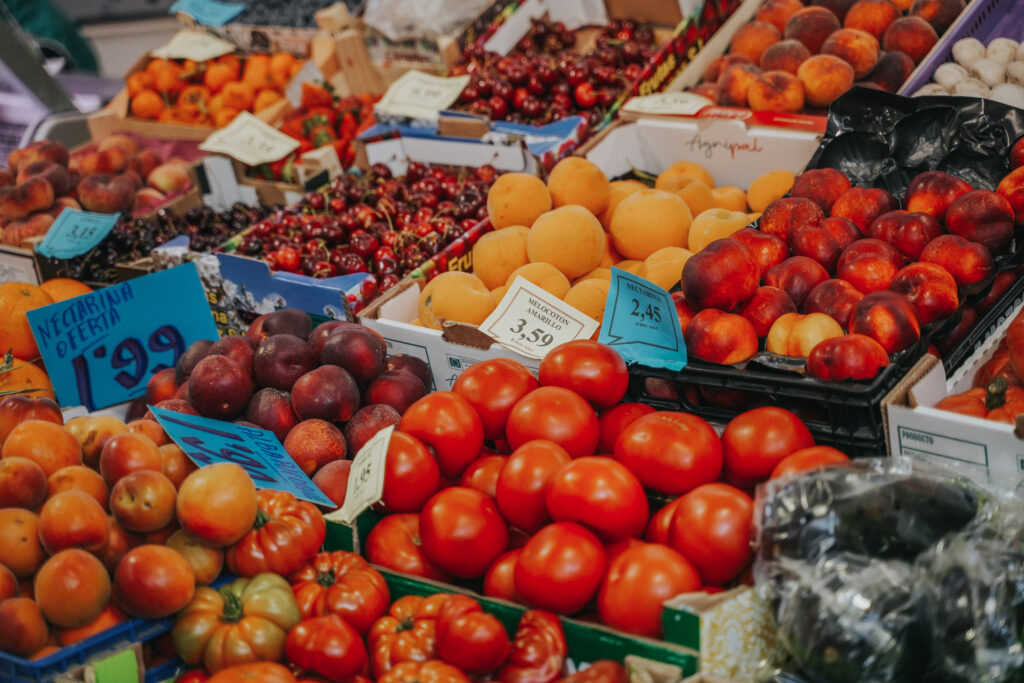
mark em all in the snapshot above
pixel 1008 93
pixel 1020 52
pixel 1002 50
pixel 931 89
pixel 988 72
pixel 949 74
pixel 967 51
pixel 1015 73
pixel 971 87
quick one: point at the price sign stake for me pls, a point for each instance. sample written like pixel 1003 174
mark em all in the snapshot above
pixel 641 323
pixel 102 348
pixel 531 321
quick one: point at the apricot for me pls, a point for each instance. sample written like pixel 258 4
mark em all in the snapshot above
pixel 570 238
pixel 695 193
pixel 873 16
pixel 825 77
pixel 496 254
pixel 574 180
pixel 454 296
pixel 617 191
pixel 714 224
pixel 857 48
pixel 733 85
pixel 729 197
pixel 544 275
pixel 811 26
pixel 649 220
pixel 666 180
pixel 891 71
pixel 785 55
pixel 754 38
pixel 768 187
pixel 778 12
pixel 517 199
pixel 913 36
pixel 589 297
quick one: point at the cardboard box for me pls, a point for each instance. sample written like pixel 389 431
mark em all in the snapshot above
pixel 990 453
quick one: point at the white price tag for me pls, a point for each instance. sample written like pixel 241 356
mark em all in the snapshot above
pixel 197 45
pixel 309 73
pixel 366 478
pixel 531 321
pixel 250 140
pixel 421 96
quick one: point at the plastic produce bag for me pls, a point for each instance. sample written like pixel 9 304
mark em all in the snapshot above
pixel 402 19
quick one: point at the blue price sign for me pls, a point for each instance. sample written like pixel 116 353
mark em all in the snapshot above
pixel 209 12
pixel 641 323
pixel 258 451
pixel 102 348
pixel 76 232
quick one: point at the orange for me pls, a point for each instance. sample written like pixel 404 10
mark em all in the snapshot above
pixel 265 98
pixel 63 288
pixel 280 68
pixel 219 75
pixel 16 298
pixel 26 377
pixel 238 95
pixel 147 105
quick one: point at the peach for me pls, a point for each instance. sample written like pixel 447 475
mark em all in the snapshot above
pixel 714 224
pixel 929 288
pixel 110 160
pixel 837 7
pixel 858 48
pixel 517 199
pixel 753 39
pixel 729 197
pixel 147 199
pixel 785 216
pixel 617 191
pixel 862 205
pixel 574 180
pixel 843 230
pixel 982 216
pixel 1016 155
pixel 939 13
pixel 169 178
pixel 708 90
pixel 889 319
pixel 834 298
pixel 795 334
pixel 671 178
pixel 818 244
pixel 891 71
pixel 912 232
pixel 797 276
pixel 873 16
pixel 823 186
pixel 778 12
pixel 649 220
pixel 455 296
pixel 968 262
pixel 146 161
pixel 51 172
pixel 913 36
pixel 811 26
pixel 776 91
pixel 1011 188
pixel 722 275
pixel 36 225
pixel 123 141
pixel 569 237
pixel 769 250
pixel 544 275
pixel 933 191
pixel 785 55
pixel 6 177
pixel 871 247
pixel 684 311
pixel 695 193
pixel 766 306
pixel 853 356
pixel 498 253
pixel 869 273
pixel 35 194
pixel 768 187
pixel 717 66
pixel 719 337
pixel 825 78
pixel 43 150
pixel 105 193
pixel 733 84
pixel 589 296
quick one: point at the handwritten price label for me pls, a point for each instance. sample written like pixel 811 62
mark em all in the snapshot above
pixel 102 348
pixel 209 12
pixel 258 451
pixel 641 323
pixel 366 478
pixel 421 96
pixel 531 321
pixel 250 140
pixel 197 45
pixel 76 232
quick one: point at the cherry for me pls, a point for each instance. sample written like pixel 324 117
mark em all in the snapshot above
pixel 585 95
pixel 499 107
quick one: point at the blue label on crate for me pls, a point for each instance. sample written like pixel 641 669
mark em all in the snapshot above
pixel 258 451
pixel 76 232
pixel 640 322
pixel 208 12
pixel 103 347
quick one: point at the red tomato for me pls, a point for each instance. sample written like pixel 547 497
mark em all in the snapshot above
pixel 500 579
pixel 593 370
pixel 671 452
pixel 808 459
pixel 601 494
pixel 756 441
pixel 613 550
pixel 660 524
pixel 328 646
pixel 395 543
pixel 462 531
pixel 556 414
pixel 711 528
pixel 341 583
pixel 538 650
pixel 469 638
pixel 492 387
pixel 560 568
pixel 411 474
pixel 612 421
pixel 447 424
pixel 638 582
pixel 523 479
pixel 482 474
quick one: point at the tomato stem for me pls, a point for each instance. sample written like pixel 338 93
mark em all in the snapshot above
pixel 326 579
pixel 996 395
pixel 261 519
pixel 232 606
